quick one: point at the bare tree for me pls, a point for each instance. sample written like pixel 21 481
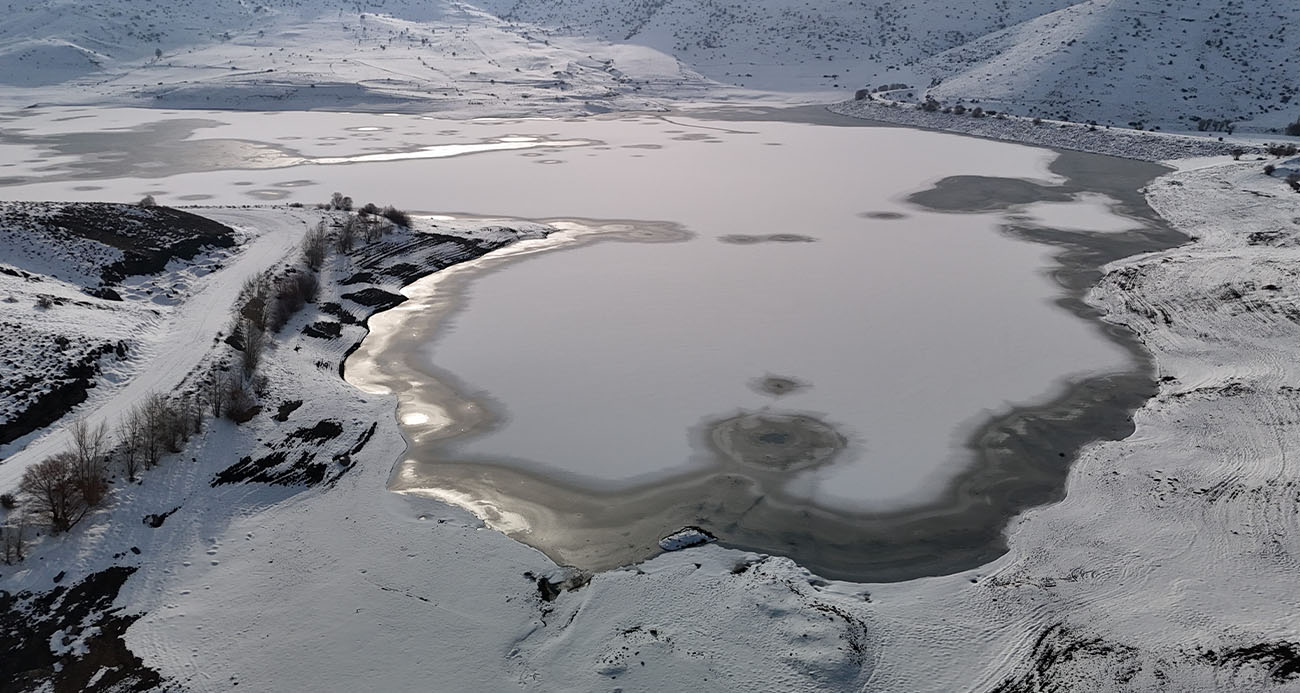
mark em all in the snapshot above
pixel 12 541
pixel 253 299
pixel 183 420
pixel 341 202
pixel 254 340
pixel 291 292
pixel 217 389
pixel 240 400
pixel 376 228
pixel 155 415
pixel 195 412
pixel 315 245
pixel 175 431
pixel 130 438
pixel 53 491
pixel 90 459
pixel 347 235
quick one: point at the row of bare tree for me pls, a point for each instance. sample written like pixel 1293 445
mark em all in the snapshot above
pixel 62 489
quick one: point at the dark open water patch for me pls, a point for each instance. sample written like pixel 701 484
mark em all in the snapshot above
pixel 750 239
pixel 777 385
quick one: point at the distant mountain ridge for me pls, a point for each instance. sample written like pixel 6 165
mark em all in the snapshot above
pixel 1122 62
pixel 1116 61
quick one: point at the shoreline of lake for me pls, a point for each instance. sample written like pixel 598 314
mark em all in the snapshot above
pixel 959 529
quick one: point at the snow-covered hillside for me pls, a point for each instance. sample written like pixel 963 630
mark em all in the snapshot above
pixel 81 284
pixel 1120 62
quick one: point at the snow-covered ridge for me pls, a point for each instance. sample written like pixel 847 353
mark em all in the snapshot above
pixel 1117 62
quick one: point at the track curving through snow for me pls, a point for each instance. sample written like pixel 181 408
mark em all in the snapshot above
pixel 181 337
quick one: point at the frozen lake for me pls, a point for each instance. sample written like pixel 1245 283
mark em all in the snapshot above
pixel 816 342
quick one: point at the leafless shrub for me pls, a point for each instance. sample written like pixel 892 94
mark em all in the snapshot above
pixel 90 460
pixel 397 216
pixel 292 292
pixel 347 235
pixel 340 202
pixel 377 228
pixel 1281 150
pixel 8 501
pixel 12 542
pixel 45 301
pixel 217 391
pixel 194 412
pixel 147 201
pixel 157 433
pixel 130 440
pixel 253 299
pixel 308 286
pixel 315 246
pixel 241 404
pixel 254 340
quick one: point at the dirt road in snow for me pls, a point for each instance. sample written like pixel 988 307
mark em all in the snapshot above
pixel 183 334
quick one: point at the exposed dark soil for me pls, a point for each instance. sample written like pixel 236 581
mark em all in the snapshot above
pixel 285 409
pixel 149 237
pixel 383 267
pixel 337 311
pixel 393 265
pixel 84 611
pixel 1065 660
pixel 293 461
pixel 1058 656
pixel 50 395
pixel 1280 660
pixel 156 520
pixel 375 298
pixel 323 329
pixel 322 431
